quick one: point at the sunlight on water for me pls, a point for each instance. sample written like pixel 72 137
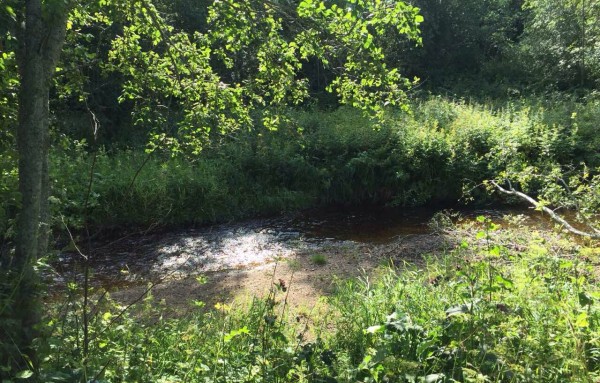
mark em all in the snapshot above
pixel 257 243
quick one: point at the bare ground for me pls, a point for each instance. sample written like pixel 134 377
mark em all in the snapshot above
pixel 307 278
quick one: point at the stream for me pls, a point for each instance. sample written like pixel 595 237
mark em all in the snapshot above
pixel 255 243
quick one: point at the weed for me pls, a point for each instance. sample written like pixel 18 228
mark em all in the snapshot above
pixel 318 259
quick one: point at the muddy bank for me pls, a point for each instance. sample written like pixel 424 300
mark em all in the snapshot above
pixel 307 250
pixel 307 273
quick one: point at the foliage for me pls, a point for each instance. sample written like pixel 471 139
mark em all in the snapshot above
pixel 504 305
pixel 461 38
pixel 187 86
pixel 322 158
pixel 546 161
pixel 561 40
pixel 483 314
pixel 574 191
pixel 188 71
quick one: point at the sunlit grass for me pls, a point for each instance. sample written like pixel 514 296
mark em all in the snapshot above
pixel 502 306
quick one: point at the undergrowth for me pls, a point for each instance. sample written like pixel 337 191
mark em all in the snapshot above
pixel 319 158
pixel 504 306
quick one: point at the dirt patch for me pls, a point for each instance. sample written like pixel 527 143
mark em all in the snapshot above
pixel 308 273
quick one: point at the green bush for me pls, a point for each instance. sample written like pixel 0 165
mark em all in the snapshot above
pixel 320 158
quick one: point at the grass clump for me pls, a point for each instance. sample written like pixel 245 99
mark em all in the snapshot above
pixel 318 259
pixel 503 306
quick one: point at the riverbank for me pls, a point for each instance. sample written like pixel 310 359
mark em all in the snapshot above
pixel 487 301
pixel 320 159
pixel 309 273
pixel 147 257
pixel 238 261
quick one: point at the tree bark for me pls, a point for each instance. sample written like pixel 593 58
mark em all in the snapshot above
pixel 40 46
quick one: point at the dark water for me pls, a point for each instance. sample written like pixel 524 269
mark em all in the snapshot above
pixel 140 258
pixel 381 225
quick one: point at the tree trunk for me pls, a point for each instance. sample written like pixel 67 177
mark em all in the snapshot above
pixel 40 46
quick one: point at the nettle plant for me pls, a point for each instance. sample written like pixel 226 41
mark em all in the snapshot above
pixel 494 310
pixel 534 163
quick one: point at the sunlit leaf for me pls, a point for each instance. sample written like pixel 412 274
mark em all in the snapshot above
pixel 25 374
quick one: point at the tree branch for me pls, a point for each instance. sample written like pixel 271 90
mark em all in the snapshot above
pixel 547 210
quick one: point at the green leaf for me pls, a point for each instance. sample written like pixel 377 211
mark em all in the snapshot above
pixel 582 320
pixel 462 309
pixel 364 365
pixel 25 374
pixel 457 310
pixel 495 251
pixel 506 283
pixel 566 264
pixel 234 333
pixel 11 12
pixel 585 299
pixel 279 336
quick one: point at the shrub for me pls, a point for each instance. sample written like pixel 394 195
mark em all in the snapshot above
pixel 320 158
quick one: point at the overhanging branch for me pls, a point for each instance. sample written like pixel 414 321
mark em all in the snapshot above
pixel 557 218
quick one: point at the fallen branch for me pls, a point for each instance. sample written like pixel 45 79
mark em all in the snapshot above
pixel 594 234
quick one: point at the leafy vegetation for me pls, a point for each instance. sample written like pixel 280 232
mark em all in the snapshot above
pixel 175 113
pixel 327 158
pixel 502 306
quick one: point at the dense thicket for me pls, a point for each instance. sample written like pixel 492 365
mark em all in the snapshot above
pixel 323 158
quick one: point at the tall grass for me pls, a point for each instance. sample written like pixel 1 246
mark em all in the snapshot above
pixel 503 306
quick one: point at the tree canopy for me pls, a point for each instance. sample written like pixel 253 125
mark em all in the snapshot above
pixel 179 83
